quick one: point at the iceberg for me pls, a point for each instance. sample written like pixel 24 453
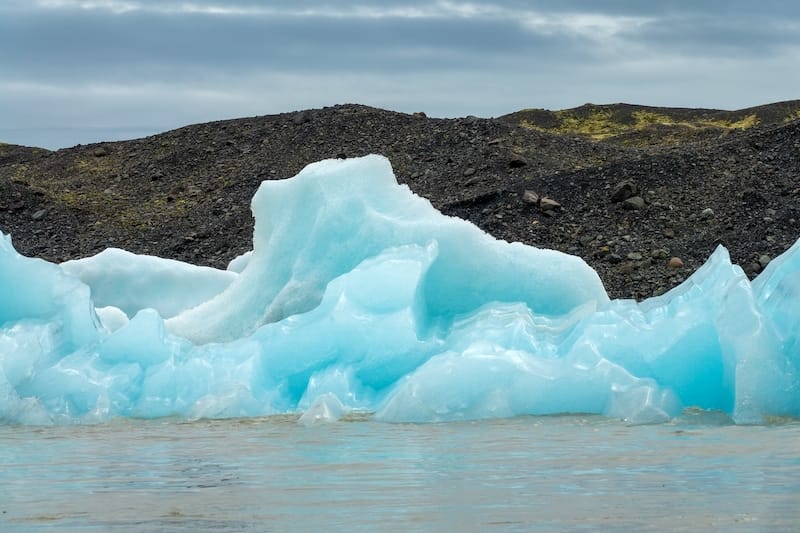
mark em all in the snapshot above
pixel 359 296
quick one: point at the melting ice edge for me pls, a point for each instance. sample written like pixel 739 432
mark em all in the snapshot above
pixel 359 295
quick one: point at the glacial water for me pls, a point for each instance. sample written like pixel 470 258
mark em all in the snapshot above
pixel 564 473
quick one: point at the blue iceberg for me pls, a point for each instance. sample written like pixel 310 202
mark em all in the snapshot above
pixel 359 296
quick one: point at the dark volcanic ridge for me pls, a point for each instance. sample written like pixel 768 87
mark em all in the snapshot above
pixel 643 194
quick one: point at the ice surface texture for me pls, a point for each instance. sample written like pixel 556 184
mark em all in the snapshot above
pixel 358 294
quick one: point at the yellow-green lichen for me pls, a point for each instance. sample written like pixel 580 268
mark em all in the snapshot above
pixel 600 123
pixel 597 124
pixel 794 115
pixel 87 200
pixel 20 173
pixel 644 119
pixel 95 166
pixel 742 124
pixel 70 198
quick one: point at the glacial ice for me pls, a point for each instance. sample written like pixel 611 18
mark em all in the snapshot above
pixel 359 295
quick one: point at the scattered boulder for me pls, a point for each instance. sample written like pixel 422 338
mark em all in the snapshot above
pixel 753 269
pixel 627 268
pixel 517 161
pixel 707 213
pixel 634 203
pixel 764 260
pixel 751 196
pixel 548 204
pixel 301 117
pixel 676 262
pixel 624 190
pixel 530 197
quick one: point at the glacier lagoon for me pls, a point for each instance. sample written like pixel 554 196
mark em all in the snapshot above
pixel 143 394
pixel 359 297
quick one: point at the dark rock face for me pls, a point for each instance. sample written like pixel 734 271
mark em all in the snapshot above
pixel 186 193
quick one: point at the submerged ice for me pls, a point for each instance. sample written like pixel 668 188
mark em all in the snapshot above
pixel 359 295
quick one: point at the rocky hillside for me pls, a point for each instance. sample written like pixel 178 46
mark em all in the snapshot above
pixel 644 203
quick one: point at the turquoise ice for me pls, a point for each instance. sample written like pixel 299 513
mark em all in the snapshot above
pixel 359 295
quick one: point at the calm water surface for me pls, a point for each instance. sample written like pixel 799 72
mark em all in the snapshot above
pixel 521 474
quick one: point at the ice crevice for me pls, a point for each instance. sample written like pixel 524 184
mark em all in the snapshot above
pixel 359 295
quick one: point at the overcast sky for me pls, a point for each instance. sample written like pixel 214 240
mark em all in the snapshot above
pixel 78 71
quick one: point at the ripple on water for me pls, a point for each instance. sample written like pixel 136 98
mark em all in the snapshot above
pixel 524 473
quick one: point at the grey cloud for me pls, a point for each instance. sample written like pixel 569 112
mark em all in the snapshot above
pixel 704 36
pixel 728 9
pixel 79 44
pixel 148 65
